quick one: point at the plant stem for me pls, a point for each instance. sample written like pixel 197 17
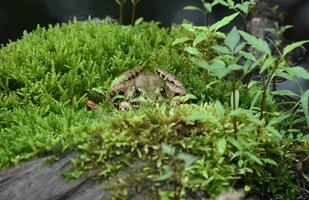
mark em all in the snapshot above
pixel 121 14
pixel 206 18
pixel 133 13
pixel 265 87
pixel 245 19
pixel 234 107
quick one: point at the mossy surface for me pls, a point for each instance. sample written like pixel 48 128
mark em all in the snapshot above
pixel 49 74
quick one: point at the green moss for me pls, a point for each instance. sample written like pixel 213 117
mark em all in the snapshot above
pixel 47 76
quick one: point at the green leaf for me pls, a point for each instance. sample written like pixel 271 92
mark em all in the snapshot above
pixel 138 21
pixel 247 56
pixel 208 7
pixel 269 161
pixel 180 40
pixel 219 109
pixel 284 93
pixel 274 132
pixel 219 69
pixel 244 7
pixel 197 116
pixel 278 120
pixel 192 51
pixel 223 22
pixel 232 39
pixel 98 90
pixel 231 3
pixel 298 71
pixel 222 2
pixel 168 173
pixel 235 67
pixel 168 149
pixel 252 83
pixel 269 62
pixel 188 27
pixel 235 143
pixel 255 99
pixel 221 49
pixel 188 158
pixel 221 146
pixel 256 43
pixel 304 103
pixel 293 46
pixel 192 8
pixel 200 37
pixel 285 76
pixel 254 158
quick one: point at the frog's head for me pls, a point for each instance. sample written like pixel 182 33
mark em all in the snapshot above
pixel 137 87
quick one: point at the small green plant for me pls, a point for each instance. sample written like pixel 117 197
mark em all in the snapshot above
pixel 243 8
pixel 207 8
pixel 174 170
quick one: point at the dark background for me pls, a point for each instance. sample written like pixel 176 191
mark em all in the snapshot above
pixel 19 15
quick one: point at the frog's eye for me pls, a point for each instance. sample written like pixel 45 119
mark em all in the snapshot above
pixel 176 94
pixel 163 92
pixel 138 92
pixel 120 93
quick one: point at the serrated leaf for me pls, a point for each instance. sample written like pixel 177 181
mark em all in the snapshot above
pixel 298 71
pixel 240 47
pixel 223 22
pixel 255 42
pixel 221 146
pixel 254 158
pixel 269 62
pixel 200 37
pixel 304 102
pixel 247 56
pixel 285 76
pixel 293 46
pixel 232 39
pixel 274 132
pixel 219 69
pixel 180 40
pixel 244 7
pixel 188 27
pixel 284 93
pixel 278 120
pixel 192 51
pixel 221 49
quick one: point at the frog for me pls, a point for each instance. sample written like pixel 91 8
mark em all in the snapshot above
pixel 140 86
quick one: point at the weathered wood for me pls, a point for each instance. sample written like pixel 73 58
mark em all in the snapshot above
pixel 35 180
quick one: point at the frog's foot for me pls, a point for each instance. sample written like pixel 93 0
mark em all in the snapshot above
pixel 124 105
